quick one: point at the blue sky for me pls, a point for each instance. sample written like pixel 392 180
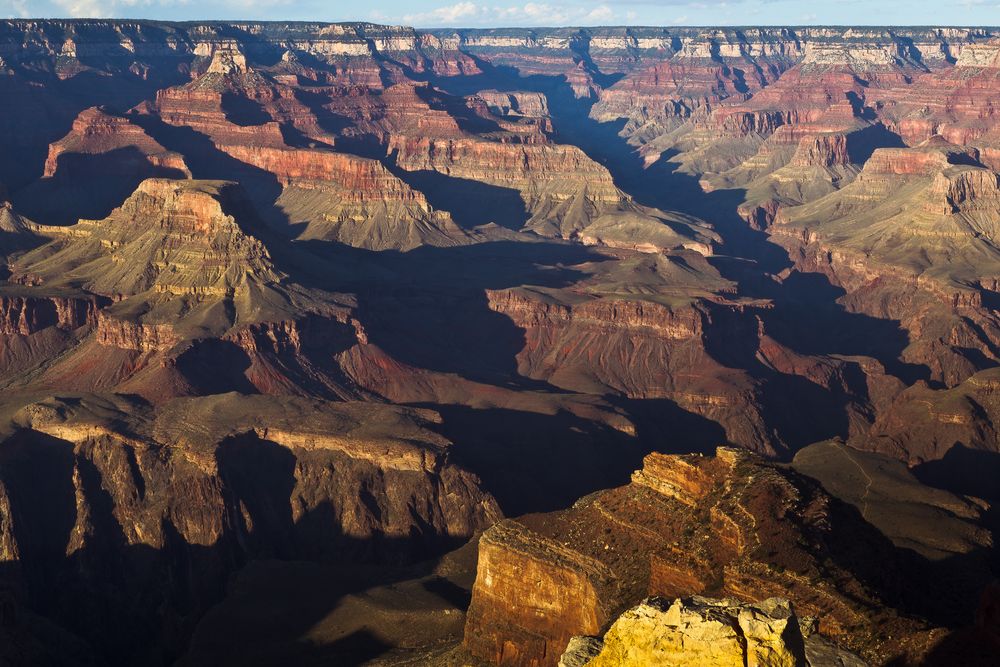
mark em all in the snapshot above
pixel 492 13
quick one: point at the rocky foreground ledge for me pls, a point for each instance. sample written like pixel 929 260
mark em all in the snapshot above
pixel 727 526
pixel 702 632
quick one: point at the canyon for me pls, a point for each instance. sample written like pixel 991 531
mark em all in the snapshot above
pixel 361 344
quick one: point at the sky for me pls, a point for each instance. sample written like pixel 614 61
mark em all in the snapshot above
pixel 500 13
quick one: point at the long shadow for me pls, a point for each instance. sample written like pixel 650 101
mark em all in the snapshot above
pixel 948 593
pixel 243 111
pixel 949 588
pixel 36 473
pixel 471 203
pixel 804 315
pixel 535 462
pixel 42 107
pixel 964 471
pixel 88 186
pixel 663 426
pixel 109 601
pixel 208 162
pixel 428 307
pixel 328 121
pixel 463 115
pixel 215 366
pixel 355 649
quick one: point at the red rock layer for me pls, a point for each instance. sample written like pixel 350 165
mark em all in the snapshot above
pixel 361 179
pixel 957 103
pixel 95 131
pixel 642 350
pixel 686 524
pixel 25 315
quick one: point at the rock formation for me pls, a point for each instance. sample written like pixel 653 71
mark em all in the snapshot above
pixel 703 631
pixel 91 491
pixel 686 524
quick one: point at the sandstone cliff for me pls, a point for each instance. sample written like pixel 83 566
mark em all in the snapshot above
pixel 684 525
pixel 105 498
pixel 703 631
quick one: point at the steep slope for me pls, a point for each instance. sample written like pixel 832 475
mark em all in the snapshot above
pixel 170 241
pixel 697 73
pixel 485 169
pixel 956 103
pixel 925 217
pixel 725 525
pixel 950 429
pixel 16 232
pixel 929 210
pixel 95 167
pixel 577 246
pixel 127 518
pixel 277 145
pixel 181 266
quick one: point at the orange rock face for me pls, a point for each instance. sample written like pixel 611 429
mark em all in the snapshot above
pixel 724 525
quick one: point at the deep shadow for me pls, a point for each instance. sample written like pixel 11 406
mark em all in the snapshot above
pixel 214 366
pixel 806 316
pixel 663 426
pixel 328 121
pixel 47 105
pixel 471 203
pixel 534 462
pixel 964 471
pixel 354 649
pixel 109 601
pixel 968 647
pixel 258 478
pixel 456 107
pixel 428 307
pixel 208 162
pixel 88 186
pixel 862 143
pixel 449 591
pixel 36 472
pixel 949 589
pixel 243 111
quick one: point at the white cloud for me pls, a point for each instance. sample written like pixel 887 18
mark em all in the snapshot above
pixel 602 13
pixel 88 8
pixel 467 13
pixel 452 13
pixel 17 8
pixel 118 8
